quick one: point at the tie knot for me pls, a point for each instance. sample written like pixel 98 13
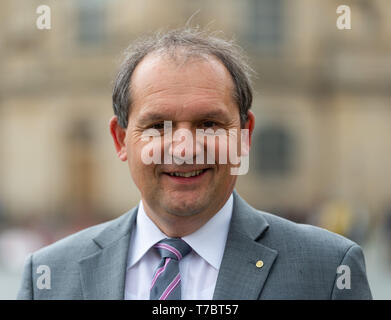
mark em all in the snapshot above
pixel 174 248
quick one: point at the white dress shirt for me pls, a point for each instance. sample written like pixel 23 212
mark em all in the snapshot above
pixel 198 269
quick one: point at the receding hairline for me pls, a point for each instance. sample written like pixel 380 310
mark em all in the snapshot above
pixel 192 43
pixel 181 59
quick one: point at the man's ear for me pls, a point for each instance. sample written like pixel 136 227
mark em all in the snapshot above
pixel 118 134
pixel 249 125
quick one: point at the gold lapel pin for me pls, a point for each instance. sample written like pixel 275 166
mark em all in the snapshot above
pixel 259 264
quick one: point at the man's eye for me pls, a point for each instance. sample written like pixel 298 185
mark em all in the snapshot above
pixel 158 126
pixel 209 124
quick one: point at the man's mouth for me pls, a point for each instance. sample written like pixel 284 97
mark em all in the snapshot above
pixel 187 174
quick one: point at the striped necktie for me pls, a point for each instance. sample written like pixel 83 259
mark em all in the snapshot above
pixel 166 280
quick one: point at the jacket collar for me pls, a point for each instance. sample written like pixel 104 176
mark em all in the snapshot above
pixel 246 261
pixel 103 272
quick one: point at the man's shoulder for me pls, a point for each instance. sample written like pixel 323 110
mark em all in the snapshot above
pixel 308 259
pixel 79 244
pixel 289 235
pixel 281 233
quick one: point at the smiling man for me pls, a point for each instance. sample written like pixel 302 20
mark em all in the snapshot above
pixel 192 236
pixel 192 93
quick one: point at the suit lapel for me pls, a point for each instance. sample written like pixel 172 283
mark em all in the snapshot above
pixel 239 276
pixel 103 273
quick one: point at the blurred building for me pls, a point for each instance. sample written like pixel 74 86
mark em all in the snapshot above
pixel 322 102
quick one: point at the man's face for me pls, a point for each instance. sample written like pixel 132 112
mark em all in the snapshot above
pixel 196 94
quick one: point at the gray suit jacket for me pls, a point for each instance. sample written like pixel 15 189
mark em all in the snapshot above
pixel 299 261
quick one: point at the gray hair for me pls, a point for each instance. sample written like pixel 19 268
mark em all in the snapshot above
pixel 193 43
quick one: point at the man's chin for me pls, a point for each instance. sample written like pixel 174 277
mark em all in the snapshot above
pixel 184 208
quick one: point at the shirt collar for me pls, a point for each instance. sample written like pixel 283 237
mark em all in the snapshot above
pixel 145 235
pixel 215 232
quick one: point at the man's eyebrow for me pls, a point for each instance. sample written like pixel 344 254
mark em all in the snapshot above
pixel 158 116
pixel 215 114
pixel 152 116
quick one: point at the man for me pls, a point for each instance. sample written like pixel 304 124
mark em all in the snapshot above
pixel 192 236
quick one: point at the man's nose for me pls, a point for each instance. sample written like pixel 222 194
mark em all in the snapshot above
pixel 183 146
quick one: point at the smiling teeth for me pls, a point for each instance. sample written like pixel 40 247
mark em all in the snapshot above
pixel 186 174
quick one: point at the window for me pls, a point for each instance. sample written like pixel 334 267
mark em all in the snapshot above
pixel 265 24
pixel 91 21
pixel 273 151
